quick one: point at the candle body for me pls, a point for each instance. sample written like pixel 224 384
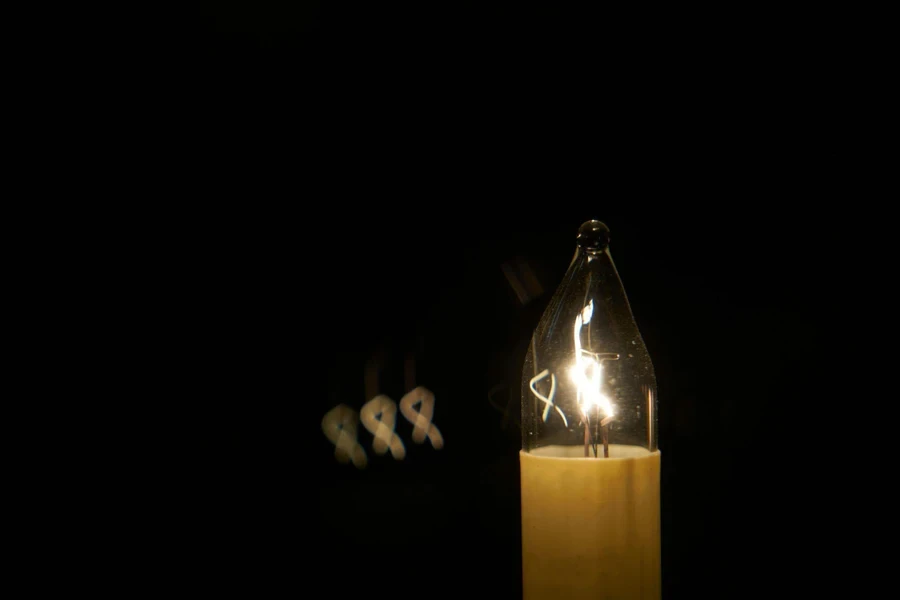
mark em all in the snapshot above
pixel 590 526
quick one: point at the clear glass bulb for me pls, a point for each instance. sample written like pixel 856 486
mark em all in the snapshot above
pixel 588 382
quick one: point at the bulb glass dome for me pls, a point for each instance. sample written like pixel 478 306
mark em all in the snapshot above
pixel 588 382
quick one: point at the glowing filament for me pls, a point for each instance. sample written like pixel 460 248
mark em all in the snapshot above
pixel 587 373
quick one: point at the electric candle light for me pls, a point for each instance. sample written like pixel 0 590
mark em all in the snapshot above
pixel 589 462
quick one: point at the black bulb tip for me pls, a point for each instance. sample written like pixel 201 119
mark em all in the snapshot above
pixel 593 236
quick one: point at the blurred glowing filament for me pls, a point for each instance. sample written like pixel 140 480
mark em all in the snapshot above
pixel 379 415
pixel 421 419
pixel 339 426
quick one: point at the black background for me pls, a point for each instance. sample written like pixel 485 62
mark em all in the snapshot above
pixel 364 173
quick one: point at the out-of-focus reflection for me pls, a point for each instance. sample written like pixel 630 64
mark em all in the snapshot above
pixel 339 425
pixel 421 396
pixel 421 419
pixel 379 415
pixel 522 279
pixel 504 407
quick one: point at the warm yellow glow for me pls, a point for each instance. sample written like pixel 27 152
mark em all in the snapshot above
pixel 587 373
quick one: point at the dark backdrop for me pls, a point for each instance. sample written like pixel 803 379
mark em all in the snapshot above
pixel 366 172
